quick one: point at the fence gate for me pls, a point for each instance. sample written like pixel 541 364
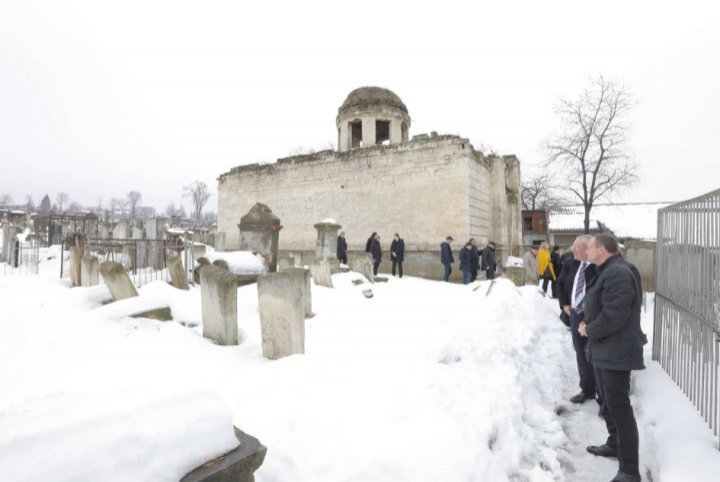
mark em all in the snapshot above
pixel 687 301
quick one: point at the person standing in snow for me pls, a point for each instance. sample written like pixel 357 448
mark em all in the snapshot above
pixel 612 325
pixel 375 252
pixel 446 257
pixel 466 262
pixel 555 260
pixel 475 258
pixel 342 248
pixel 530 266
pixel 489 263
pixel 397 253
pixel 545 268
pixel 369 241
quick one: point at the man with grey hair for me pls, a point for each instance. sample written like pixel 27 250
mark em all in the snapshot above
pixel 574 277
pixel 612 325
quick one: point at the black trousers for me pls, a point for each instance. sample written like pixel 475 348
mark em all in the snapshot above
pixel 376 265
pixel 490 273
pixel 614 388
pixel 585 368
pixel 474 274
pixel 342 258
pixel 397 264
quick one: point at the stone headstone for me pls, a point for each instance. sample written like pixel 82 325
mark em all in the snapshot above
pixel 218 295
pixel 5 252
pixel 89 271
pixel 364 266
pixel 117 280
pixel 221 263
pixel 238 465
pixel 516 274
pixel 178 277
pixel 260 232
pixel 76 255
pixel 326 243
pixel 285 262
pixel 220 242
pixel 301 280
pixel 201 262
pixel 283 306
pixel 320 271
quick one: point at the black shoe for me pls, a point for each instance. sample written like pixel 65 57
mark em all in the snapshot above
pixel 602 451
pixel 581 397
pixel 623 477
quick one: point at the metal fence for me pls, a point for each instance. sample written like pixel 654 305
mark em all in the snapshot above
pixel 23 258
pixel 687 301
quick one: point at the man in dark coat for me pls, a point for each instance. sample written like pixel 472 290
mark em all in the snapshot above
pixel 397 253
pixel 488 260
pixel 446 257
pixel 574 277
pixel 342 248
pixel 555 260
pixel 475 258
pixel 612 313
pixel 466 262
pixel 369 241
pixel 376 253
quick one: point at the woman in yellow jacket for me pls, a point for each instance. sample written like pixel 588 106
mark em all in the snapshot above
pixel 545 267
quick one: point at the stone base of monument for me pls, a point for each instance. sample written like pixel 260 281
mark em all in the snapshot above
pixel 515 274
pixel 238 465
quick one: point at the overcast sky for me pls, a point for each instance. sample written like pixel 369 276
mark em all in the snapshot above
pixel 100 98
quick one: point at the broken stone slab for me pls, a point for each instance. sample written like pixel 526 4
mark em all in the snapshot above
pixel 368 293
pixel 159 314
pixel 218 296
pixel 320 271
pixel 117 280
pixel 381 279
pixel 283 305
pixel 76 254
pixel 356 282
pixel 89 271
pixel 177 273
pixel 238 465
pixel 364 266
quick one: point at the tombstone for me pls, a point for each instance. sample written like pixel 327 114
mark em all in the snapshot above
pixel 138 233
pixel 202 261
pixel 260 232
pixel 320 271
pixel 155 234
pixel 198 250
pixel 285 262
pixel 220 242
pixel 516 274
pixel 178 278
pixel 121 230
pixel 76 254
pixel 218 295
pixel 304 286
pixel 117 280
pixel 326 243
pixel 5 248
pixel 283 305
pixel 364 266
pixel 221 263
pixel 89 274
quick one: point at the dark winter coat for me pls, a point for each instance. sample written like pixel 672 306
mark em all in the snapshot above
pixel 555 260
pixel 368 244
pixel 475 259
pixel 488 258
pixel 397 250
pixel 446 256
pixel 567 279
pixel 612 311
pixel 466 260
pixel 375 250
pixel 341 247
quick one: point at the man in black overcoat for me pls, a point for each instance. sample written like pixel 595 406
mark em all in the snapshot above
pixel 342 248
pixel 376 253
pixel 397 253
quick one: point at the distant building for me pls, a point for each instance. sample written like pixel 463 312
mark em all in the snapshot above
pixel 534 227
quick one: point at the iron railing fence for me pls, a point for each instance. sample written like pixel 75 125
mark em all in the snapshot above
pixel 686 339
pixel 23 258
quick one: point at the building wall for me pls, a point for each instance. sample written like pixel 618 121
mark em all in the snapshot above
pixel 421 189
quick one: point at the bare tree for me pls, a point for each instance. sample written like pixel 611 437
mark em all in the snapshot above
pixel 133 198
pixel 29 203
pixel 198 194
pixel 591 153
pixel 61 200
pixel 538 192
pixel 75 207
pixel 5 199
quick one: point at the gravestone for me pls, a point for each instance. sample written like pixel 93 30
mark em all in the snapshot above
pixel 76 254
pixel 283 305
pixel 516 274
pixel 221 263
pixel 238 465
pixel 320 271
pixel 326 243
pixel 89 271
pixel 304 285
pixel 260 233
pixel 5 251
pixel 363 265
pixel 138 233
pixel 178 277
pixel 220 242
pixel 117 280
pixel 285 262
pixel 218 295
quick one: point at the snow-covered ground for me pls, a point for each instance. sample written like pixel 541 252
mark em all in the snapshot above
pixel 426 381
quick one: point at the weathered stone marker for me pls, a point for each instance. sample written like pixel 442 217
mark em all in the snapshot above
pixel 320 271
pixel 283 303
pixel 117 280
pixel 301 278
pixel 326 243
pixel 516 274
pixel 178 277
pixel 218 295
pixel 220 242
pixel 238 465
pixel 260 232
pixel 89 271
pixel 76 254
pixel 364 266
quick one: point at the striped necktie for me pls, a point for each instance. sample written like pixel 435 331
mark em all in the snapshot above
pixel 580 288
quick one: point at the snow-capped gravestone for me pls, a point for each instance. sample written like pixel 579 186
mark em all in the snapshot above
pixel 321 273
pixel 89 271
pixel 177 273
pixel 218 295
pixel 260 233
pixel 363 265
pixel 220 242
pixel 283 302
pixel 76 254
pixel 326 243
pixel 117 280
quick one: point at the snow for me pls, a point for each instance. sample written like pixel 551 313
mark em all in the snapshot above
pixel 637 221
pixel 329 221
pixel 240 262
pixel 513 262
pixel 426 381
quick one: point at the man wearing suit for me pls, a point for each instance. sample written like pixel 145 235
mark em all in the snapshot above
pixel 576 273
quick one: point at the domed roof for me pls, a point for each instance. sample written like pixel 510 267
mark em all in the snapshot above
pixel 367 96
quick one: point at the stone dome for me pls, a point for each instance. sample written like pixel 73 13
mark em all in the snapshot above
pixel 371 96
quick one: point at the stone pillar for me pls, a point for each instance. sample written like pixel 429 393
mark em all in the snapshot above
pixel 89 271
pixel 516 274
pixel 304 285
pixel 178 276
pixel 368 131
pixel 220 242
pixel 260 232
pixel 117 280
pixel 363 264
pixel 76 255
pixel 218 295
pixel 138 233
pixel 321 273
pixel 395 131
pixel 282 301
pixel 498 208
pixel 5 251
pixel 326 243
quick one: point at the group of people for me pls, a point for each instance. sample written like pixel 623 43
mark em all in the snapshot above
pixel 600 297
pixel 472 259
pixel 372 247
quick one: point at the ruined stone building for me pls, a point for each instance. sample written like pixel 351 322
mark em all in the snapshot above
pixel 425 188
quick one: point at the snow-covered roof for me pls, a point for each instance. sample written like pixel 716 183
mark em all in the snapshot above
pixel 634 220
